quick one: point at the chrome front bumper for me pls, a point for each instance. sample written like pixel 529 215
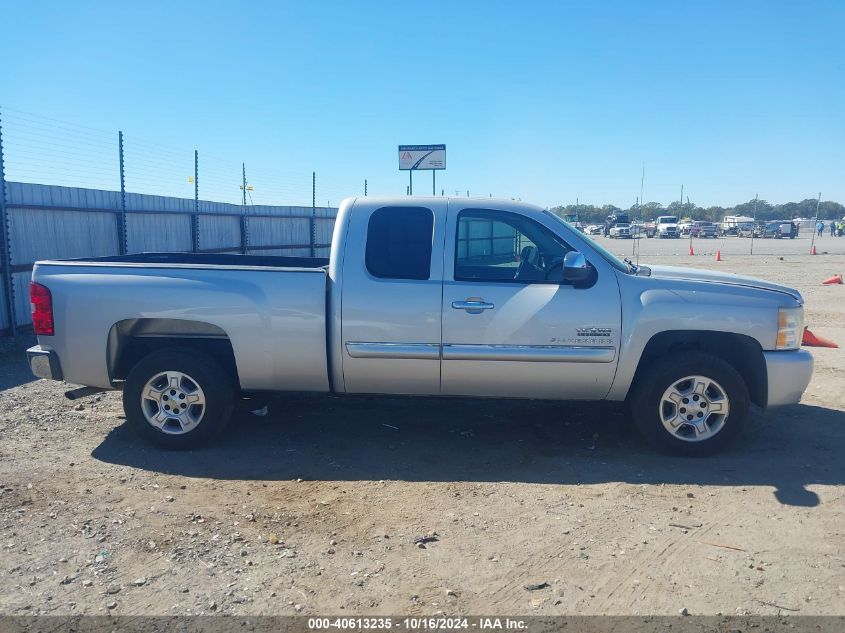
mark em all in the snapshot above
pixel 788 373
pixel 44 363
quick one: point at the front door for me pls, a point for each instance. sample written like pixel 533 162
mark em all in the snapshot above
pixel 511 327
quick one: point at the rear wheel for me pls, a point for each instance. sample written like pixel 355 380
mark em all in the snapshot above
pixel 178 399
pixel 690 405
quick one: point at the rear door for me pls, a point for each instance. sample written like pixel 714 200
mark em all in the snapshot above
pixel 392 296
pixel 510 327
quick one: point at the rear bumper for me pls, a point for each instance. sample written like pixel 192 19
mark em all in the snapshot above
pixel 788 375
pixel 44 363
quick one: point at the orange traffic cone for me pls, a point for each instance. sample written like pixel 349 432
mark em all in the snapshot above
pixel 691 252
pixel 813 252
pixel 718 255
pixel 811 340
pixel 836 279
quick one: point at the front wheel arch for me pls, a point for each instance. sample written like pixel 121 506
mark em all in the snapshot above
pixel 742 352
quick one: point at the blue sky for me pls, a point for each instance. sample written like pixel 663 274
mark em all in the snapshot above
pixel 547 101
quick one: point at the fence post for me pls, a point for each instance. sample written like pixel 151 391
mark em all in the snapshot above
pixel 195 218
pixel 8 283
pixel 313 214
pixel 121 238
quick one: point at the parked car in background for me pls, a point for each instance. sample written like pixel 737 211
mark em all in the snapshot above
pixel 667 226
pixel 702 229
pixel 649 228
pixel 747 229
pixel 730 224
pixel 769 230
pixel 613 219
pixel 783 229
pixel 594 229
pixel 621 231
pixel 684 227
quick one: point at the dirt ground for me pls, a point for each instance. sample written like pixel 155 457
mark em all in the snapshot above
pixel 420 506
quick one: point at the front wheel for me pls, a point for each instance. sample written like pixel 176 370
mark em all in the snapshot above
pixel 178 398
pixel 692 405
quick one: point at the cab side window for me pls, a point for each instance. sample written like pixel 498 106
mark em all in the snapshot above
pixel 399 243
pixel 500 246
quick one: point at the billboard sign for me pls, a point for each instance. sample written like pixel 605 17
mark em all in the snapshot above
pixel 416 157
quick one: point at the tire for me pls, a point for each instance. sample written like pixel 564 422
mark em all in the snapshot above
pixel 725 389
pixel 198 379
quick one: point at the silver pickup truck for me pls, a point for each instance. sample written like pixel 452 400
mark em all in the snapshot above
pixel 423 296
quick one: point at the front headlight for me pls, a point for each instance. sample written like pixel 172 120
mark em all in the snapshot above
pixel 790 328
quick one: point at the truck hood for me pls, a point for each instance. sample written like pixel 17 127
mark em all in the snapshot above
pixel 697 274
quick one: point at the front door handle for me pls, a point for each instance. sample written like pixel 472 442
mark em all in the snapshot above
pixel 472 305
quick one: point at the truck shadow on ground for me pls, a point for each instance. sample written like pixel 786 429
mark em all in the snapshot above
pixel 438 439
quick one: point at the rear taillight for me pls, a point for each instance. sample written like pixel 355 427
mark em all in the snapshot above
pixel 42 309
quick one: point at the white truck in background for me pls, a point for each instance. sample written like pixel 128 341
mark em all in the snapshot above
pixel 667 226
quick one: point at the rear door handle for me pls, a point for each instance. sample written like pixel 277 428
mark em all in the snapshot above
pixel 472 305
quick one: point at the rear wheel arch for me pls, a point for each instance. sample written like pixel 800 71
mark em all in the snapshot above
pixel 742 352
pixel 132 340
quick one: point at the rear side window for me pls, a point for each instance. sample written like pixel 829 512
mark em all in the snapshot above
pixel 399 243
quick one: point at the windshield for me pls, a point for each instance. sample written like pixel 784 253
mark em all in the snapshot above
pixel 668 220
pixel 606 255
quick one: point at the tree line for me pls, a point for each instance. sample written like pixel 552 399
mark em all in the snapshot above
pixel 591 214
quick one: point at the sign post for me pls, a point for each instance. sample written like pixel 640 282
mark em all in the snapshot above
pixel 422 157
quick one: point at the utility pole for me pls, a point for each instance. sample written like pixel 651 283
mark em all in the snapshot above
pixel 815 224
pixel 753 224
pixel 636 247
pixel 243 186
pixel 244 224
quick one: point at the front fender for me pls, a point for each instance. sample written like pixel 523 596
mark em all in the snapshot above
pixel 651 307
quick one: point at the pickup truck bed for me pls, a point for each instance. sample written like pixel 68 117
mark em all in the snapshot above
pixel 274 318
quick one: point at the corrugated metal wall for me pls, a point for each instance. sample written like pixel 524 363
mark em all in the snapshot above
pixel 50 222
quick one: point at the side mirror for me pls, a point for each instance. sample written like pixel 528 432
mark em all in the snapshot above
pixel 575 267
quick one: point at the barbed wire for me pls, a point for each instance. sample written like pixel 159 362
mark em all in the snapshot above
pixel 47 150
